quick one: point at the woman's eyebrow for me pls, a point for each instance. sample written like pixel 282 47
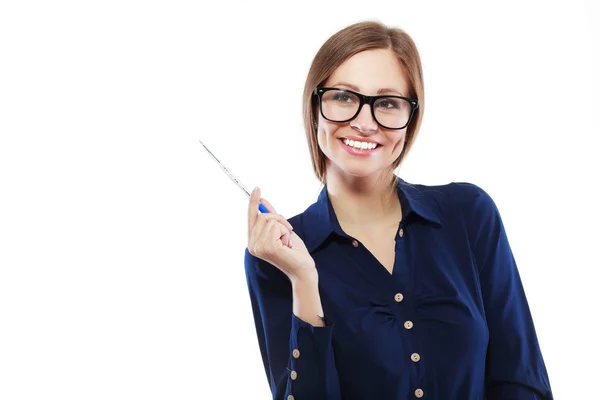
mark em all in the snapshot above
pixel 356 88
pixel 388 90
pixel 349 85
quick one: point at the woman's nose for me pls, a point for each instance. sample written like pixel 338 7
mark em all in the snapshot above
pixel 364 120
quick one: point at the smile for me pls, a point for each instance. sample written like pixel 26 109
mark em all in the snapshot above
pixel 360 148
pixel 360 145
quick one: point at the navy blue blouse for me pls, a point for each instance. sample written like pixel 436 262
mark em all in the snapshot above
pixel 450 322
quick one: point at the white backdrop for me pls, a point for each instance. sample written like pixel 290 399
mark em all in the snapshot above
pixel 121 241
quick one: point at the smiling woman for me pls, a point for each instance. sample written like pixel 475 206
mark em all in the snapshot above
pixel 383 289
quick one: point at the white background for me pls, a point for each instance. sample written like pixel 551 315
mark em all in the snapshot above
pixel 121 241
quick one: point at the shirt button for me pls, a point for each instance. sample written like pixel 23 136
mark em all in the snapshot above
pixel 401 232
pixel 290 397
pixel 398 297
pixel 296 353
pixel 419 393
pixel 355 243
pixel 293 375
pixel 415 357
pixel 408 324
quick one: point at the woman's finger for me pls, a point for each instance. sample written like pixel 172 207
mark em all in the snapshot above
pixel 272 210
pixel 274 230
pixel 253 208
pixel 261 218
pixel 287 240
pixel 268 205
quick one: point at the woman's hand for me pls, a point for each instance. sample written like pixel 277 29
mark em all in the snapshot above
pixel 271 238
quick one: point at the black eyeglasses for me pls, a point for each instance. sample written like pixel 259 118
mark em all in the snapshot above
pixel 343 105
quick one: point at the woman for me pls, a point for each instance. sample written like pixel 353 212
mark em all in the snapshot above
pixel 384 289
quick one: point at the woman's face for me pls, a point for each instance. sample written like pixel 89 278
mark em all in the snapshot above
pixel 371 72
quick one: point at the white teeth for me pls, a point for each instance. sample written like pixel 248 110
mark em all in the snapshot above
pixel 360 145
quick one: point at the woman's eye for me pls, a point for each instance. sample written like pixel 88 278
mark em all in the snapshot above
pixel 343 98
pixel 388 103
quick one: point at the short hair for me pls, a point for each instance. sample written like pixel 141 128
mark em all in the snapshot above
pixel 361 36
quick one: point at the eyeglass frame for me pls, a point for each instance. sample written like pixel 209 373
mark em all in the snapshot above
pixel 365 99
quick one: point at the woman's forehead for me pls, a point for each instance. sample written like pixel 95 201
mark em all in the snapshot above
pixel 369 71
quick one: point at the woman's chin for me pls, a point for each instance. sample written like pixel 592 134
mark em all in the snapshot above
pixel 358 171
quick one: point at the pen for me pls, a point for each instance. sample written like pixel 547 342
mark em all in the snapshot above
pixel 231 176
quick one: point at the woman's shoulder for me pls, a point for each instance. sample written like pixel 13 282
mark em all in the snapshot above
pixel 456 190
pixel 451 194
pixel 448 200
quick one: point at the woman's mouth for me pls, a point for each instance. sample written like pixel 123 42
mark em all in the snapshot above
pixel 359 148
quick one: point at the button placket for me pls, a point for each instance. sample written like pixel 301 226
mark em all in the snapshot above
pixel 408 324
pixel 415 357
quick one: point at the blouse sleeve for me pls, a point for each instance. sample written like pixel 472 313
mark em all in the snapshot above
pixel 514 367
pixel 297 356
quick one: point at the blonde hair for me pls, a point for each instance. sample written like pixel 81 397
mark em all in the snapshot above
pixel 367 35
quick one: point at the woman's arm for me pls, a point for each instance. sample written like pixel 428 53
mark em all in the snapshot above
pixel 307 300
pixel 294 340
pixel 515 368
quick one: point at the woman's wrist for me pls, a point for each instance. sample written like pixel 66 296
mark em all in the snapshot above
pixel 305 277
pixel 307 300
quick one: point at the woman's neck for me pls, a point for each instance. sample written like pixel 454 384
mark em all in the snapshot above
pixel 363 201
